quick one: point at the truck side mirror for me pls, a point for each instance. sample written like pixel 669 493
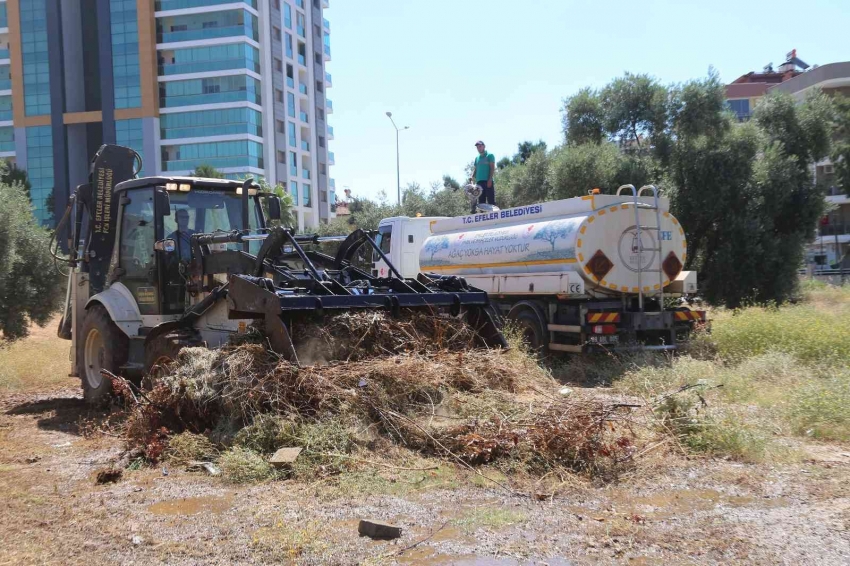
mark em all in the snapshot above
pixel 168 246
pixel 161 202
pixel 274 208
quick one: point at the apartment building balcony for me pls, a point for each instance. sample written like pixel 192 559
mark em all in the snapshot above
pixel 329 106
pixel 325 4
pixel 332 184
pixel 305 145
pixel 327 51
pixel 330 132
pixel 302 60
pixel 172 101
pixel 208 66
pixel 305 174
pixel 302 89
pixel 4 56
pixel 170 5
pixel 326 24
pixel 304 117
pixel 207 33
pixel 331 160
pixel 328 80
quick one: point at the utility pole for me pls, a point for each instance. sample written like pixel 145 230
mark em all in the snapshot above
pixel 397 162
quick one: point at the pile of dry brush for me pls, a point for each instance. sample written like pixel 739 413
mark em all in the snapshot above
pixel 415 381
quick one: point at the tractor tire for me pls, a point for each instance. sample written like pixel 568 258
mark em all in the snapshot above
pixel 102 345
pixel 533 334
pixel 161 353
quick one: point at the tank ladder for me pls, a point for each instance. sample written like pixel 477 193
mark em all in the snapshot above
pixel 639 229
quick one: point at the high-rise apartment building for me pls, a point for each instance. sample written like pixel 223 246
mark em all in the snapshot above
pixel 239 85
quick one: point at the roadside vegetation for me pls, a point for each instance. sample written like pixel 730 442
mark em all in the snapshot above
pixel 763 377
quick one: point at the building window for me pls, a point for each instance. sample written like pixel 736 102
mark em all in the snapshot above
pixel 293 168
pixel 33 27
pixel 293 141
pixel 276 4
pixel 741 108
pixel 308 196
pixel 209 25
pixel 203 123
pixel 281 157
pixel 323 169
pixel 293 190
pixel 276 32
pixel 288 44
pixel 40 169
pixel 317 57
pixel 278 95
pixel 211 58
pixel 321 113
pixel 125 54
pixel 278 65
pixel 319 86
pixel 290 104
pixel 299 21
pixel 287 16
pixel 240 153
pixel 129 134
pixel 321 141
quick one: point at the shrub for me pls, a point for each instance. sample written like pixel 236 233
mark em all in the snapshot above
pixel 241 465
pixel 819 409
pixel 187 447
pixel 30 286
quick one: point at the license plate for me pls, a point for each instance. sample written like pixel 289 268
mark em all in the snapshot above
pixel 603 339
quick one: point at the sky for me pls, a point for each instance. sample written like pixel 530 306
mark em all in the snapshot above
pixel 456 71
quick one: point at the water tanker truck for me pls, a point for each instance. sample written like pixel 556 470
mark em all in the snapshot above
pixel 596 272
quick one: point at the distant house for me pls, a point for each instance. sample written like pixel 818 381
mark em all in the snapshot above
pixel 798 79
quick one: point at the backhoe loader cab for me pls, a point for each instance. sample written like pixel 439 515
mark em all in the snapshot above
pixel 161 263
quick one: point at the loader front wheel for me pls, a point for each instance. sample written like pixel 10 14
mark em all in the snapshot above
pixel 161 353
pixel 102 347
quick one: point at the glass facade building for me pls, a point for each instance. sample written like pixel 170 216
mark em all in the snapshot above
pixel 233 84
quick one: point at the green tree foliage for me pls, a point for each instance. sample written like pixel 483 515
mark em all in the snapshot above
pixel 634 107
pixel 12 176
pixel 30 287
pixel 582 119
pixel 526 149
pixel 207 171
pixel 287 203
pixel 841 142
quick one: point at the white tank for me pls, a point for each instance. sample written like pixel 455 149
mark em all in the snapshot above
pixel 594 236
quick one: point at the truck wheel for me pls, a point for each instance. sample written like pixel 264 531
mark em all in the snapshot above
pixel 101 346
pixel 161 353
pixel 532 332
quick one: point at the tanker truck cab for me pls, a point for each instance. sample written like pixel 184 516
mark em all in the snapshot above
pixel 598 272
pixel 401 239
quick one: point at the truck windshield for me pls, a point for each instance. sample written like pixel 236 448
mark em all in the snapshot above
pixel 204 211
pixel 383 240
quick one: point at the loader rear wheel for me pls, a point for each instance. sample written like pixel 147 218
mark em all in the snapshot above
pixel 161 353
pixel 102 346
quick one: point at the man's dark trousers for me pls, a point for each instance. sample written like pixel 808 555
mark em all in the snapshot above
pixel 488 194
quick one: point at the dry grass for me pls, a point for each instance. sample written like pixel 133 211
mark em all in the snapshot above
pixel 39 362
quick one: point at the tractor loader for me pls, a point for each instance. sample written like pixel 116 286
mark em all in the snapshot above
pixel 161 263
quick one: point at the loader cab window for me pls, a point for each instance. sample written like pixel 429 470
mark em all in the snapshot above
pixel 137 235
pixel 136 254
pixel 206 211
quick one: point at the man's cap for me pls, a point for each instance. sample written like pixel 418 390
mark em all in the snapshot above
pixel 479 142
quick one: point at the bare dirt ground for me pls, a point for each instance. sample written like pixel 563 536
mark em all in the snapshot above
pixel 671 510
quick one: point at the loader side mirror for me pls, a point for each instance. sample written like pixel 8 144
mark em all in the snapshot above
pixel 274 208
pixel 162 202
pixel 168 246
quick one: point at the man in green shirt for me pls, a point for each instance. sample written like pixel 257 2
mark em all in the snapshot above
pixel 485 167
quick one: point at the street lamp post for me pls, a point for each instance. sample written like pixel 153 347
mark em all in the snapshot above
pixel 397 162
